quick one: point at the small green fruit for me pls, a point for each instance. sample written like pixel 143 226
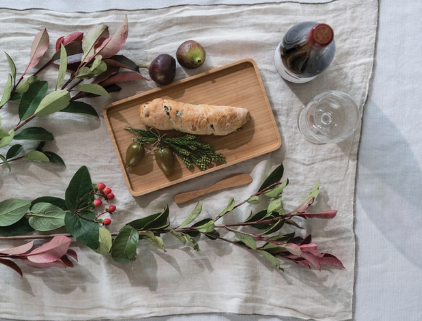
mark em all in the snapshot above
pixel 190 54
pixel 134 154
pixel 165 160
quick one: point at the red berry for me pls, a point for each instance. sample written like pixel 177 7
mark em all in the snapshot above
pixel 110 196
pixel 107 221
pixel 101 186
pixel 111 208
pixel 107 190
pixel 97 203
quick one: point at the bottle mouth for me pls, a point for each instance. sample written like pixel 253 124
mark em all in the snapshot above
pixel 322 34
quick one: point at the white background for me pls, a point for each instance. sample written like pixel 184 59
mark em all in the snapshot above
pixel 388 192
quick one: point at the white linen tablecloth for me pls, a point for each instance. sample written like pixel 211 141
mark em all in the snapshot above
pixel 328 295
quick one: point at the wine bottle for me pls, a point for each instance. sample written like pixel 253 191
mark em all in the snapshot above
pixel 306 50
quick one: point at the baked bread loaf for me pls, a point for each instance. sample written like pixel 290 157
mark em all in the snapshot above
pixel 166 114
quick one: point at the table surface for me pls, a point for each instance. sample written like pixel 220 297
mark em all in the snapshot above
pixel 389 259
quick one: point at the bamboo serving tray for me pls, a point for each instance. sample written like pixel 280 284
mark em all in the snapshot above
pixel 238 84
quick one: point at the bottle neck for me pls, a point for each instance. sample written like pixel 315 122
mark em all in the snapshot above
pixel 320 36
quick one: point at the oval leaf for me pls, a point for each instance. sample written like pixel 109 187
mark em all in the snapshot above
pixel 274 261
pixel 121 61
pixel 274 177
pixel 59 202
pixel 20 227
pixel 55 101
pixel 62 66
pixel 124 246
pixel 207 227
pixel 12 210
pixel 122 77
pixel 154 240
pixel 11 65
pixel 32 98
pixel 7 140
pixel 192 216
pixel 248 240
pixel 84 73
pixel 117 40
pixel 14 151
pixel 54 158
pixel 93 89
pixel 78 107
pixel 105 242
pixel 37 156
pixel 51 251
pixel 34 133
pixel 90 39
pixel 19 249
pixel 7 91
pixel 86 232
pixel 228 208
pixel 24 86
pixel 38 48
pixel 276 191
pixel 46 217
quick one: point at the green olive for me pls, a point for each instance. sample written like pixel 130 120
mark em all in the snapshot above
pixel 134 154
pixel 165 160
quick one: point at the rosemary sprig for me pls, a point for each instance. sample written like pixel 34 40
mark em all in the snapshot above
pixel 188 147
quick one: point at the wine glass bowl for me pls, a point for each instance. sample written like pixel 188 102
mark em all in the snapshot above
pixel 329 117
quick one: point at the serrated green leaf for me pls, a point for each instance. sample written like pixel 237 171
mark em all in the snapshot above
pixel 46 217
pixel 5 162
pixel 7 140
pixel 78 107
pixel 55 101
pixel 62 66
pixel 14 151
pixel 105 241
pixel 37 156
pixel 192 242
pixel 275 227
pixel 207 227
pixel 20 227
pixel 274 261
pixel 248 240
pixel 154 240
pixel 276 191
pixel 79 187
pixel 31 99
pixel 3 133
pixel 85 231
pixel 275 206
pixel 154 222
pixel 178 235
pixel 253 200
pixel 56 201
pixel 93 89
pixel 192 216
pixel 274 177
pixel 34 133
pixel 54 158
pixel 11 65
pixel 228 208
pixel 12 210
pixel 7 91
pixel 84 73
pixel 23 87
pixel 124 246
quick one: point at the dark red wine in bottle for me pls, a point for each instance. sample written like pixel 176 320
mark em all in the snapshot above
pixel 307 50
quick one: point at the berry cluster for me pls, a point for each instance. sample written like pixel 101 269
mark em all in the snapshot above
pixel 106 193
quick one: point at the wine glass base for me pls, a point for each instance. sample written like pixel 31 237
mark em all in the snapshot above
pixel 301 124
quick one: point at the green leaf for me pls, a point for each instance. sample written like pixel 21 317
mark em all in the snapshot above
pixel 105 241
pixel 275 227
pixel 15 96
pixel 93 89
pixel 11 65
pixel 276 191
pixel 178 235
pixel 195 233
pixel 3 133
pixel 46 217
pixel 62 66
pixel 12 210
pixel 248 240
pixel 282 237
pixel 34 133
pixel 274 177
pixel 40 146
pixel 275 206
pixel 7 91
pixel 31 99
pixel 154 222
pixel 55 101
pixel 124 246
pixel 23 87
pixel 54 158
pixel 274 261
pixel 207 227
pixel 253 200
pixel 83 230
pixel 84 73
pixel 96 63
pixel 309 199
pixel 154 240
pixel 100 69
pixel 192 216
pixel 59 202
pixel 14 151
pixel 5 162
pixel 228 208
pixel 20 227
pixel 213 235
pixel 90 39
pixel 191 241
pixel 78 107
pixel 78 188
pixel 37 156
pixel 7 140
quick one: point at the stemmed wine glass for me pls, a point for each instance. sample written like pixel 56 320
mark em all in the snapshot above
pixel 330 117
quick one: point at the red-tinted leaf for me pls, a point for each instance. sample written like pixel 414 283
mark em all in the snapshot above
pixel 311 248
pixel 324 215
pixel 19 249
pixel 116 42
pixel 291 222
pixel 306 240
pixel 38 48
pixel 66 261
pixel 314 260
pixel 303 262
pixel 74 36
pixel 329 259
pixel 72 254
pixel 59 42
pixel 51 251
pixel 12 265
pixel 293 248
pixel 106 74
pixel 74 53
pixel 57 263
pixel 121 77
pixel 304 206
pixel 121 61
